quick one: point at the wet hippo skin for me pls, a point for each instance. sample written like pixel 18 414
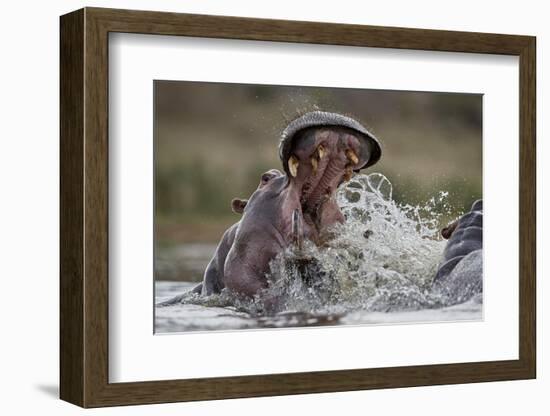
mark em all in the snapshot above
pixel 460 274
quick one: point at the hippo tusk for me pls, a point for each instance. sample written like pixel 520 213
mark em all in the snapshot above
pixel 348 174
pixel 350 154
pixel 321 151
pixel 293 165
pixel 297 229
pixel 314 164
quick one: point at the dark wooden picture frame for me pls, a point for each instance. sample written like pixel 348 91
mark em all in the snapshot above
pixel 84 207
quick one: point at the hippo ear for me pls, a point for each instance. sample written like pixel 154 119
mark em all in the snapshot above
pixel 448 231
pixel 237 205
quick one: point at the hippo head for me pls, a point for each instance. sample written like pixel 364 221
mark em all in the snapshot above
pixel 319 151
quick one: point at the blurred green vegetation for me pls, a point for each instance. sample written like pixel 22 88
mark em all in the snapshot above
pixel 213 141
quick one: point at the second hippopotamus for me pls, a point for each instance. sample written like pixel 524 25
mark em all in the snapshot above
pixel 460 275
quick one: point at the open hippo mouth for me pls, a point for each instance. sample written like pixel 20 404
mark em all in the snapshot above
pixel 319 151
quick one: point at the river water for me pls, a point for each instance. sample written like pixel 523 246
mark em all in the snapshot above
pixel 377 269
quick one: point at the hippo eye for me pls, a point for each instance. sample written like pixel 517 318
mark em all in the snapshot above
pixel 266 178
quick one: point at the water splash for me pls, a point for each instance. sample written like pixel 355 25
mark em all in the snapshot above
pixel 382 259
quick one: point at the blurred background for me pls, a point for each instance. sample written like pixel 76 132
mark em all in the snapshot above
pixel 214 140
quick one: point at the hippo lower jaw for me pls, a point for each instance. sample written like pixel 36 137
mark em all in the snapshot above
pixel 320 161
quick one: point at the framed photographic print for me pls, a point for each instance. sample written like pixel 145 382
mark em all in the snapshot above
pixel 256 207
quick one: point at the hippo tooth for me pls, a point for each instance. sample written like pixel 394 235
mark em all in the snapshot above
pixel 314 164
pixel 297 229
pixel 348 174
pixel 352 156
pixel 293 165
pixel 321 151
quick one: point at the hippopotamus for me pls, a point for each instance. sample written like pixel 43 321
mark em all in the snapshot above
pixel 460 275
pixel 319 151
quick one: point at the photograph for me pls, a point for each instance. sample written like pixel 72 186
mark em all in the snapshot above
pixel 296 206
pixel 272 204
